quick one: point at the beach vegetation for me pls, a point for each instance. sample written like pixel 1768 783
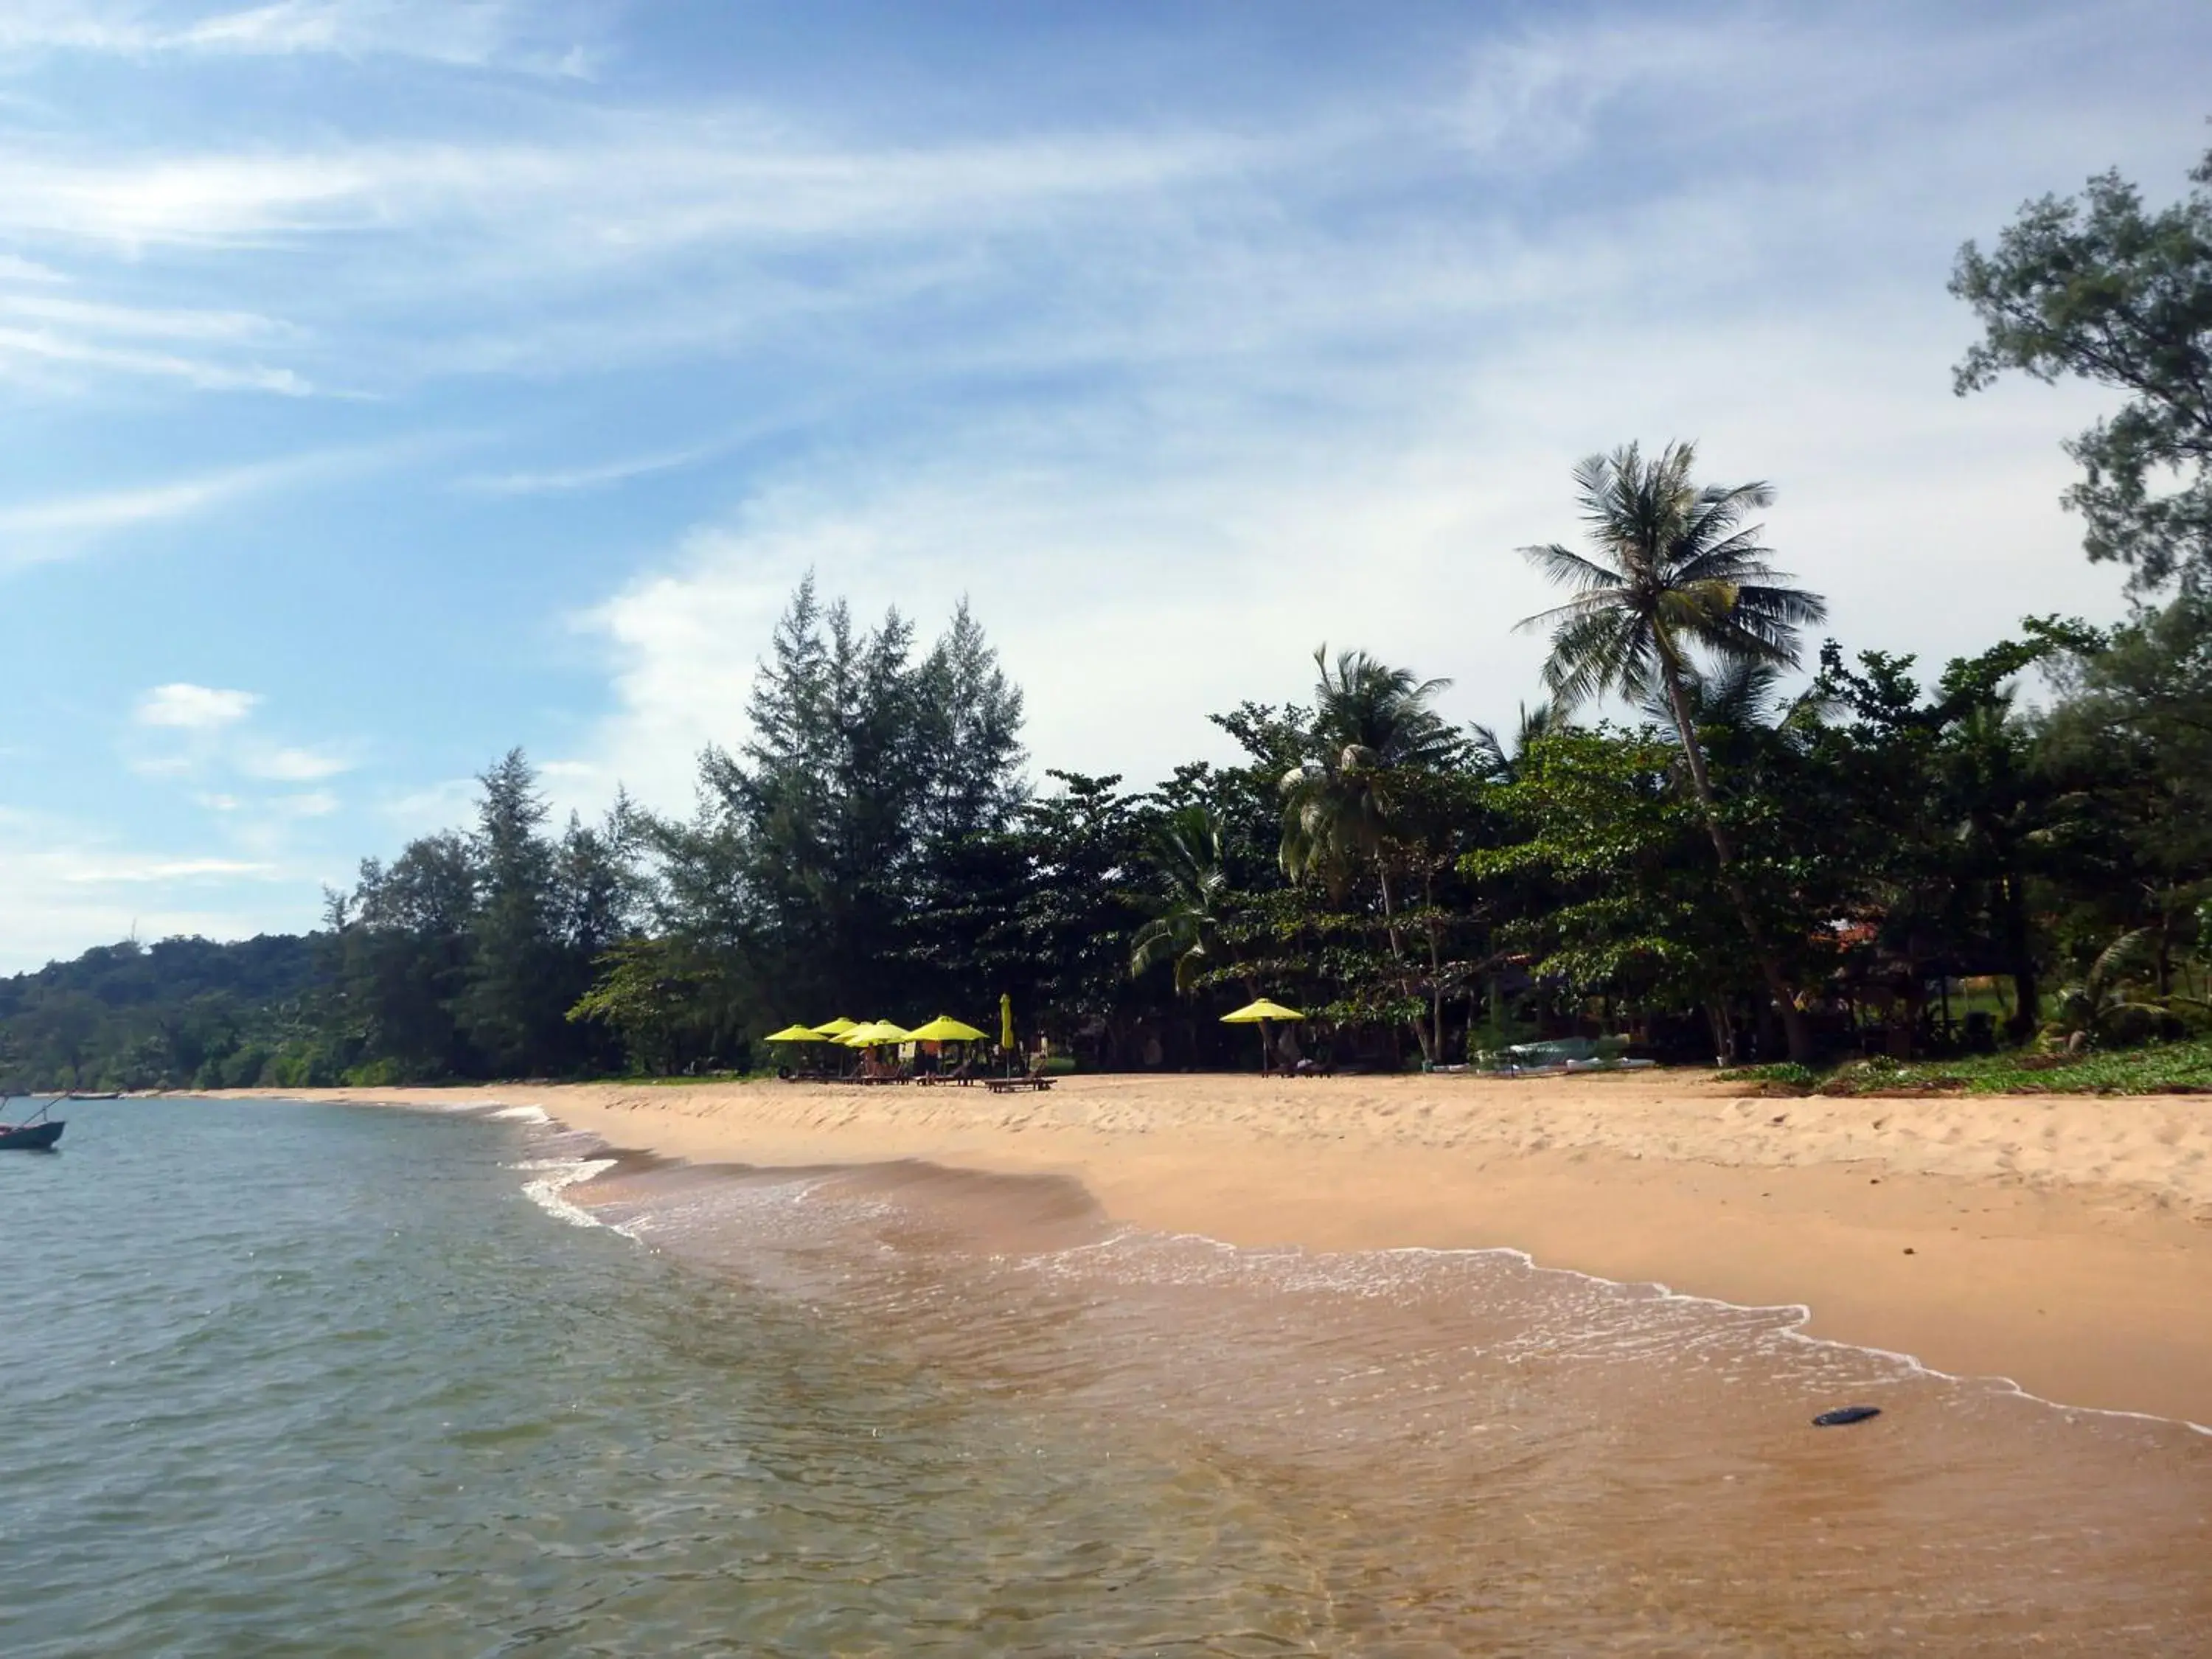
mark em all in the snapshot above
pixel 2176 1067
pixel 1942 872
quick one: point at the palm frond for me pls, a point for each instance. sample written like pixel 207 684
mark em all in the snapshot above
pixel 2121 957
pixel 1563 565
pixel 1739 558
pixel 1596 654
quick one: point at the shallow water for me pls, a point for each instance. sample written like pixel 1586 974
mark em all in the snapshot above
pixel 288 1379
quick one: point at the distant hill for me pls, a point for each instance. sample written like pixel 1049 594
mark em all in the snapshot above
pixel 180 1013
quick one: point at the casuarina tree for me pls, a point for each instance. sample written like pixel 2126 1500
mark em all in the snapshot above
pixel 2098 288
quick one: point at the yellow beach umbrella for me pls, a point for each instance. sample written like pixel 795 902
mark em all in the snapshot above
pixel 944 1028
pixel 837 1027
pixel 1006 1021
pixel 1253 1013
pixel 795 1033
pixel 873 1032
pixel 1258 1013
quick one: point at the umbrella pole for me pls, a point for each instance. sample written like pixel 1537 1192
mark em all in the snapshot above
pixel 1265 1050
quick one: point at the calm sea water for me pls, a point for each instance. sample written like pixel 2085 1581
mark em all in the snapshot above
pixel 284 1379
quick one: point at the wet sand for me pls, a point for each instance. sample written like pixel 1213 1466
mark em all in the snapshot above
pixel 2064 1242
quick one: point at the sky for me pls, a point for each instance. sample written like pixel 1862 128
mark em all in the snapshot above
pixel 386 383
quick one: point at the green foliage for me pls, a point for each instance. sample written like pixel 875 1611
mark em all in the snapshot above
pixel 2155 1068
pixel 1187 927
pixel 2106 1005
pixel 2099 289
pixel 669 1004
pixel 180 1013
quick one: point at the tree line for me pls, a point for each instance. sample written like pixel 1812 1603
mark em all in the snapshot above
pixel 1744 864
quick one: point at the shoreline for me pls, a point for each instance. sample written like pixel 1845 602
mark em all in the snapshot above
pixel 2062 1243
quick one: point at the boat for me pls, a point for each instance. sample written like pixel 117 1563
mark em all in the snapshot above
pixel 35 1134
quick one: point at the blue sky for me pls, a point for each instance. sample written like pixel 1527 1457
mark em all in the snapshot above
pixel 386 382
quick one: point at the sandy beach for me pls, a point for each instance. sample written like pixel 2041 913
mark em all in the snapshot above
pixel 2063 1242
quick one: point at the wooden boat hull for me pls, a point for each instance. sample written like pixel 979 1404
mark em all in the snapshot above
pixel 30 1137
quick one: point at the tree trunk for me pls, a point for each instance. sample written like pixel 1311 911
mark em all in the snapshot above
pixel 2028 1012
pixel 1436 972
pixel 1398 950
pixel 1794 1029
pixel 1724 1035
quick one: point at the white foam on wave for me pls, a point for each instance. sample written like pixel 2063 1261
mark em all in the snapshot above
pixel 1342 1272
pixel 548 1191
pixel 522 1114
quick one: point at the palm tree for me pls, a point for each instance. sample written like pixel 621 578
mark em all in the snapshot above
pixel 1495 762
pixel 1368 720
pixel 2104 1005
pixel 1677 571
pixel 1372 724
pixel 1188 929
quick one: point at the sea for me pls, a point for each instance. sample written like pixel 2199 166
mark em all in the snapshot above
pixel 289 1379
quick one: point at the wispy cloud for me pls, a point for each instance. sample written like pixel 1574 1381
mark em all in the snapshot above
pixel 559 481
pixel 59 527
pixel 38 531
pixel 93 871
pixel 115 509
pixel 52 347
pixel 616 188
pixel 456 31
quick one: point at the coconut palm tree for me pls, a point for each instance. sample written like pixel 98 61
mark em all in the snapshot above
pixel 1498 764
pixel 2104 1005
pixel 1677 573
pixel 1188 929
pixel 1369 721
pixel 1346 804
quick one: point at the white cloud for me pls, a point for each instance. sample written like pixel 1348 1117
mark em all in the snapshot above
pixel 92 871
pixel 212 738
pixel 186 707
pixel 284 765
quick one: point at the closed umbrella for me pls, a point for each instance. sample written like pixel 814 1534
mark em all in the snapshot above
pixel 1258 1013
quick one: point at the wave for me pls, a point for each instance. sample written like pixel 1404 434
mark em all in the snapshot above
pixel 548 1192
